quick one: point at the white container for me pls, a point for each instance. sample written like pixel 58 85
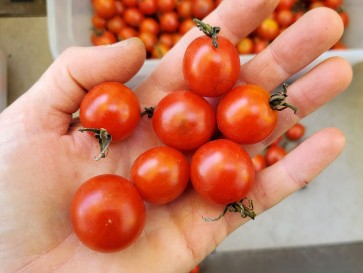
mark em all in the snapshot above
pixel 3 81
pixel 69 24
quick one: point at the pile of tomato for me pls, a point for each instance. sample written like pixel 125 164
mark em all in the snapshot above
pixel 161 23
pixel 108 211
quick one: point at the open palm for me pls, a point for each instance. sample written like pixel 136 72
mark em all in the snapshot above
pixel 44 159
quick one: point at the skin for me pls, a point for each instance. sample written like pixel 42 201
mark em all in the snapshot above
pixel 44 158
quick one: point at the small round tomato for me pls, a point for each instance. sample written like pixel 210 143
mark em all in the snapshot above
pixel 115 24
pixel 183 120
pixel 211 65
pixel 334 4
pixel 104 8
pixel 245 46
pixel 296 132
pixel 169 21
pixel 160 174
pixel 274 153
pixel 113 107
pixel 148 7
pixel 150 25
pixel 103 37
pixel 166 5
pixel 133 17
pixel 269 29
pixel 107 213
pixel 259 162
pixel 285 5
pixel 222 172
pixel 201 8
pixel 245 115
pixel 126 33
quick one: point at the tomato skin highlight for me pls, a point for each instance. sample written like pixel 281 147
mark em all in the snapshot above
pixel 160 174
pixel 245 116
pixel 107 213
pixel 183 120
pixel 210 71
pixel 112 106
pixel 222 172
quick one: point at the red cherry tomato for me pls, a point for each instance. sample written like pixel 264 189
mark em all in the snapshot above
pixel 259 162
pixel 183 120
pixel 148 7
pixel 201 8
pixel 211 71
pixel 112 106
pixel 245 116
pixel 285 5
pixel 334 4
pixel 115 24
pixel 222 172
pixel 160 174
pixel 166 5
pixel 169 21
pixel 103 37
pixel 296 132
pixel 274 153
pixel 133 17
pixel 105 8
pixel 107 213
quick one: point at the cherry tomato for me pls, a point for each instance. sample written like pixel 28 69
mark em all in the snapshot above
pixel 107 213
pixel 169 21
pixel 148 7
pixel 115 24
pixel 285 5
pixel 149 39
pixel 345 18
pixel 166 5
pixel 285 18
pixel 112 106
pixel 210 71
pixel 259 162
pixel 274 153
pixel 103 37
pixel 160 174
pixel 183 120
pixel 126 33
pixel 98 22
pixel 201 8
pixel 245 46
pixel 150 25
pixel 222 172
pixel 268 29
pixel 245 115
pixel 133 17
pixel 159 50
pixel 184 9
pixel 334 4
pixel 104 8
pixel 296 132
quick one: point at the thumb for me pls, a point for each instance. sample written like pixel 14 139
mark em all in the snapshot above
pixel 60 90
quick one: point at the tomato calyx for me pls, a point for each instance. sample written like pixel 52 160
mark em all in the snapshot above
pixel 104 139
pixel 278 102
pixel 208 30
pixel 149 111
pixel 239 207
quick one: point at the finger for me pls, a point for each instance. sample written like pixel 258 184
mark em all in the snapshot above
pixel 237 18
pixel 308 93
pixel 317 31
pixel 294 171
pixel 60 90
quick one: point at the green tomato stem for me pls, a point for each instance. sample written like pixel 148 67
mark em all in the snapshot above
pixel 208 30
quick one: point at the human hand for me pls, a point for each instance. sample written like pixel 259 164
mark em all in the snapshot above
pixel 44 159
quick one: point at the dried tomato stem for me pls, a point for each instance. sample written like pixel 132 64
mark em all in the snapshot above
pixel 240 207
pixel 278 102
pixel 104 139
pixel 149 111
pixel 208 30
